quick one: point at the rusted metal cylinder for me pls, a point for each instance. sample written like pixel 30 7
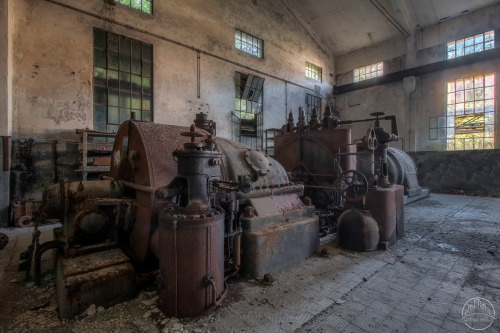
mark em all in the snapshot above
pixel 358 230
pixel 382 204
pixel 348 161
pixel 77 192
pixel 191 263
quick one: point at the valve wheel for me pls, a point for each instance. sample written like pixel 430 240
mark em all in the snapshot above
pixel 353 185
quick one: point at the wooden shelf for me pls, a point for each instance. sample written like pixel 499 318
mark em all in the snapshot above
pixel 95 155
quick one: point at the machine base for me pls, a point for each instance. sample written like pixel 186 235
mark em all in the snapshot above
pixel 101 278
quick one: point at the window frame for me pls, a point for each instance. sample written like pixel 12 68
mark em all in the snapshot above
pixel 375 70
pixel 314 72
pixel 470 111
pixel 312 101
pixel 253 44
pixel 477 43
pixel 122 83
pixel 128 3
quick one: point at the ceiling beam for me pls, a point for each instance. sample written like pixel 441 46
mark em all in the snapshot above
pixel 388 15
pixel 307 27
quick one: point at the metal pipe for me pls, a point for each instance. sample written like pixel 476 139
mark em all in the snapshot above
pixel 135 186
pixel 6 153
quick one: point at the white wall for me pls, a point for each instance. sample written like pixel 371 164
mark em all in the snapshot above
pixel 53 60
pixel 429 100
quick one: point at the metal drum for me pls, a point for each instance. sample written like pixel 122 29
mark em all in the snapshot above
pixel 192 263
pixel 386 206
pixel 358 230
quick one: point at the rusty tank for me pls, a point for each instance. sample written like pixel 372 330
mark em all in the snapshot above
pixel 191 236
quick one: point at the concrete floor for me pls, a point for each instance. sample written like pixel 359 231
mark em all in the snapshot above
pixel 449 255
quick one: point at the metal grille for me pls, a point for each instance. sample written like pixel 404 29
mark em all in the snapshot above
pixel 123 80
pixel 472 44
pixel 248 116
pixel 470 113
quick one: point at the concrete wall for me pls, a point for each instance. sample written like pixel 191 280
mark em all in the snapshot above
pixel 460 172
pixel 414 108
pixel 52 70
pixel 6 24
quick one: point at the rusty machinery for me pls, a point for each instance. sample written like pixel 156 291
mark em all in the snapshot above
pixel 192 214
pixel 340 176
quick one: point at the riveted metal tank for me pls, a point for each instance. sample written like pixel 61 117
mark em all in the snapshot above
pixel 191 247
pixel 358 230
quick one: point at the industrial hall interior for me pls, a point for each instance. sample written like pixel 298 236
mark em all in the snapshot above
pixel 265 166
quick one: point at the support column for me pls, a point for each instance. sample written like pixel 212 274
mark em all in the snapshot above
pixel 410 140
pixel 6 28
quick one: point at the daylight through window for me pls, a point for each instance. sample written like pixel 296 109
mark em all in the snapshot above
pixel 368 72
pixel 470 113
pixel 249 44
pixel 123 80
pixel 313 72
pixel 471 45
pixel 145 6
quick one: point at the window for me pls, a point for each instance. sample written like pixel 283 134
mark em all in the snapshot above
pixel 313 72
pixel 368 72
pixel 470 113
pixel 312 102
pixel 471 45
pixel 249 44
pixel 145 6
pixel 248 114
pixel 122 80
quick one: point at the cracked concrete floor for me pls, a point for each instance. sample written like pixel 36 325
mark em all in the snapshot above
pixel 449 255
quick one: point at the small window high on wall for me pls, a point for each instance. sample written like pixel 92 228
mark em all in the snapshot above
pixel 123 80
pixel 314 72
pixel 368 72
pixel 145 6
pixel 470 113
pixel 249 43
pixel 472 44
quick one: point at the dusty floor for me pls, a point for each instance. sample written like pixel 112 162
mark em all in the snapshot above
pixel 450 254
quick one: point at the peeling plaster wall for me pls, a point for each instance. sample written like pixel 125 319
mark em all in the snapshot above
pixel 53 68
pixel 6 24
pixel 413 110
pixel 52 93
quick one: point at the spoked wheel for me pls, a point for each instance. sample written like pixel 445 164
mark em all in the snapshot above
pixel 352 185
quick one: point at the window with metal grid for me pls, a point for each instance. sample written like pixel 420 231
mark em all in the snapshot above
pixel 313 72
pixel 123 80
pixel 145 6
pixel 470 113
pixel 249 43
pixel 312 102
pixel 472 44
pixel 368 72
